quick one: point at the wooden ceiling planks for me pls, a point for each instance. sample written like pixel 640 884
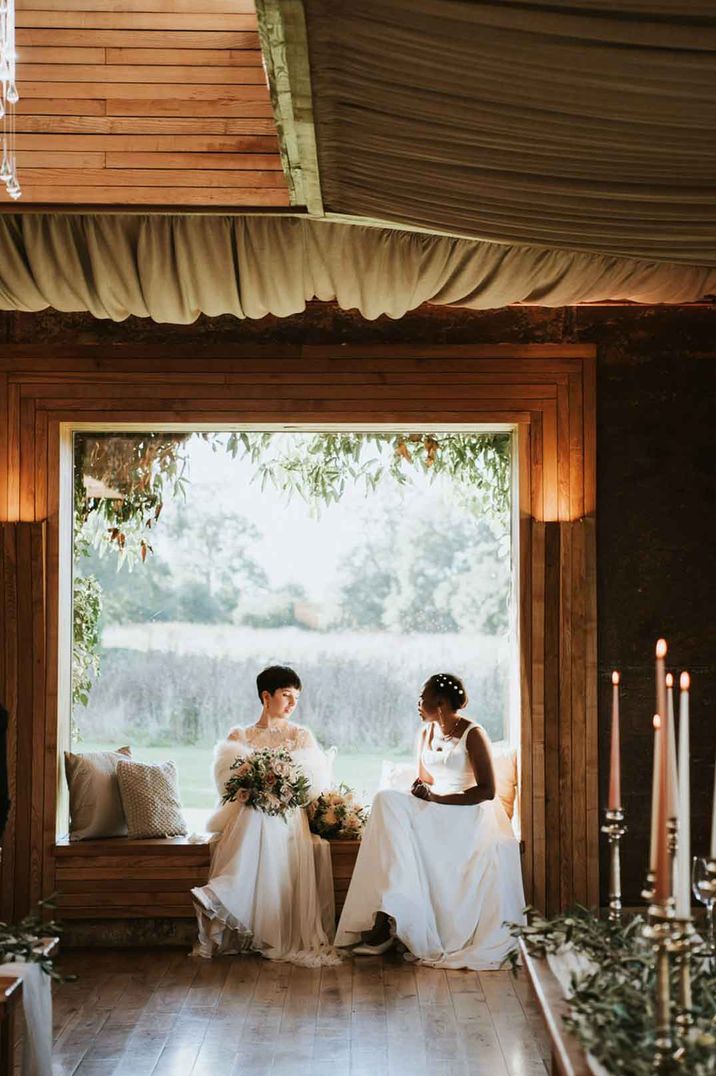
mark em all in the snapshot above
pixel 158 103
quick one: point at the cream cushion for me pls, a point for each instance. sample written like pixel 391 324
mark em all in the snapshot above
pixel 95 803
pixel 150 797
pixel 400 775
pixel 504 762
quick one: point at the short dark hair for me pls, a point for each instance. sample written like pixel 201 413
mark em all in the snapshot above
pixel 275 677
pixel 446 686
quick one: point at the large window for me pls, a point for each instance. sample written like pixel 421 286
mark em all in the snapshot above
pixel 365 561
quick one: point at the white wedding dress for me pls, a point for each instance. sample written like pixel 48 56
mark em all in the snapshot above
pixel 449 875
pixel 270 886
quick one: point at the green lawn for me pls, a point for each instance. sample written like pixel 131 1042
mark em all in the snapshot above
pixel 360 771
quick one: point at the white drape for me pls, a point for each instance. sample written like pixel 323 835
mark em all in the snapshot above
pixel 174 268
pixel 37 1009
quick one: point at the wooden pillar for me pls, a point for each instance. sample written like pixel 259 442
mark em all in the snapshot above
pixel 22 691
pixel 564 663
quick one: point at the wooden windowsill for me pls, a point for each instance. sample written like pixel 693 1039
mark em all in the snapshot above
pixel 119 846
pixel 155 846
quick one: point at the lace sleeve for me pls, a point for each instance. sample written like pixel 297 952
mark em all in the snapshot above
pixel 305 740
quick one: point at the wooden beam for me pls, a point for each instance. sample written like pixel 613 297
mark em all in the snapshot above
pixel 282 31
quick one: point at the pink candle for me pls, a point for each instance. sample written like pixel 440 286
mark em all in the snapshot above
pixel 713 824
pixel 672 799
pixel 658 742
pixel 683 855
pixel 662 883
pixel 615 782
pixel 654 795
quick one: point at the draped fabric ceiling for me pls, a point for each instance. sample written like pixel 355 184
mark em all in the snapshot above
pixel 559 152
pixel 174 268
pixel 571 124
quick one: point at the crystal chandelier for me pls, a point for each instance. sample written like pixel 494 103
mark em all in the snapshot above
pixel 8 97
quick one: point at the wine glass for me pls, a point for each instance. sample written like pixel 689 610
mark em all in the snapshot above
pixel 703 885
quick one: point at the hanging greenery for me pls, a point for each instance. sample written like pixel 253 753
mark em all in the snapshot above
pixel 87 608
pixel 611 1009
pixel 320 468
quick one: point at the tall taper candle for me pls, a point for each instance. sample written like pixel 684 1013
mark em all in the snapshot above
pixel 615 777
pixel 662 880
pixel 672 799
pixel 659 738
pixel 683 885
pixel 655 795
pixel 713 823
pixel 663 883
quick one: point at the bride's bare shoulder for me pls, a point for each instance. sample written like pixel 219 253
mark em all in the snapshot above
pixel 476 726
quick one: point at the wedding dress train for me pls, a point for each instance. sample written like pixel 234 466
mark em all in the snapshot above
pixel 449 876
pixel 271 884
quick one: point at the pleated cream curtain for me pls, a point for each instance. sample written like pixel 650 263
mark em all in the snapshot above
pixel 580 125
pixel 174 268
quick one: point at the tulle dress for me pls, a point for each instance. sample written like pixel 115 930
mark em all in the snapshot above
pixel 449 875
pixel 270 886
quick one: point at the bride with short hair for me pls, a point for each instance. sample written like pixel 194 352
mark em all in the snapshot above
pixel 270 888
pixel 439 867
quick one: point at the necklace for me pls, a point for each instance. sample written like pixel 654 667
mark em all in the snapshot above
pixel 445 737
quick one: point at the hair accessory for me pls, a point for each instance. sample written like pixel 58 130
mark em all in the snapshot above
pixel 446 681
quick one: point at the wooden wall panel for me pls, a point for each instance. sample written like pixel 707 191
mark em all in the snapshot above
pixel 22 691
pixel 546 391
pixel 144 102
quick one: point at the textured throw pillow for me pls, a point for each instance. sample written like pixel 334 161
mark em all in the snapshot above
pixel 150 797
pixel 504 761
pixel 95 804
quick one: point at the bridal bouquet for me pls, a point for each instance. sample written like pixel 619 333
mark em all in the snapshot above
pixel 268 780
pixel 335 815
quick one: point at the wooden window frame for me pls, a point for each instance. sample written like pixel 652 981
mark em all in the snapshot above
pixel 546 392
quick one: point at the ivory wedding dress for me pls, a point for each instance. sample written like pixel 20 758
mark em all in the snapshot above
pixel 449 875
pixel 270 887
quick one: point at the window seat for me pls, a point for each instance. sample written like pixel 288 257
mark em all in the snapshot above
pixel 118 878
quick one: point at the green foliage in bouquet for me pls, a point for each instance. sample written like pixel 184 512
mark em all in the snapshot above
pixel 335 815
pixel 268 780
pixel 612 1007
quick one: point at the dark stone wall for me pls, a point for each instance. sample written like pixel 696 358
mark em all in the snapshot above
pixel 656 445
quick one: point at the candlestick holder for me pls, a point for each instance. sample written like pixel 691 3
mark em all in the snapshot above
pixel 707 887
pixel 682 945
pixel 615 830
pixel 658 932
pixel 672 840
pixel 647 893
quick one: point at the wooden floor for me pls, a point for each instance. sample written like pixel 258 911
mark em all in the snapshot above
pixel 162 1012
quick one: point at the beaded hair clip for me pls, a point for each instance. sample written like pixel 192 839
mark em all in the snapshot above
pixel 445 681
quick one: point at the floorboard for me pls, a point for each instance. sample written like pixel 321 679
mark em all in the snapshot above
pixel 160 1012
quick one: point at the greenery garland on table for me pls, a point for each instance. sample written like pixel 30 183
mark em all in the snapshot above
pixel 611 1009
pixel 25 941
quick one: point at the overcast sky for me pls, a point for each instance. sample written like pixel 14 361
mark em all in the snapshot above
pixel 295 546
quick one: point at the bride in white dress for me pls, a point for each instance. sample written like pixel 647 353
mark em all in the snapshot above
pixel 270 888
pixel 439 867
